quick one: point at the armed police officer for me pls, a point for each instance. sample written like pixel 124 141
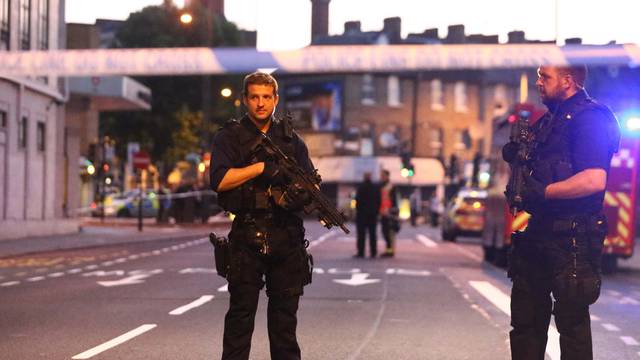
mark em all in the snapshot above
pixel 267 244
pixel 560 252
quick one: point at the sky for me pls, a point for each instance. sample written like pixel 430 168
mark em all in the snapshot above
pixel 286 24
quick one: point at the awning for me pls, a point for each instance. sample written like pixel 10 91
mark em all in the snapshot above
pixel 351 169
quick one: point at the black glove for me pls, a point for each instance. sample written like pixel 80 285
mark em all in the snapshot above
pixel 510 152
pixel 271 171
pixel 293 198
pixel 533 192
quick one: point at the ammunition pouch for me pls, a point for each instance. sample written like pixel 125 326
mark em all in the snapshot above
pixel 579 287
pixel 247 197
pixel 222 254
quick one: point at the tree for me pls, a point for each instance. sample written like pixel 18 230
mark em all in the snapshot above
pixel 173 96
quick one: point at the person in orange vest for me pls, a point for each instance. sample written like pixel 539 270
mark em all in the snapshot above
pixel 388 213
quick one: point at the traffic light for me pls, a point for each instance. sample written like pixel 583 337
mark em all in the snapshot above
pixel 407 170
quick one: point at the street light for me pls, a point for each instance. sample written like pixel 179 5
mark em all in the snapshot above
pixel 186 18
pixel 226 92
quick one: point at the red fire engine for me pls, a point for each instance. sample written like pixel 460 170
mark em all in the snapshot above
pixel 619 200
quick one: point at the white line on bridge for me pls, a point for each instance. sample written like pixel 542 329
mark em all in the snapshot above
pixel 192 305
pixel 503 302
pixel 424 240
pixel 115 342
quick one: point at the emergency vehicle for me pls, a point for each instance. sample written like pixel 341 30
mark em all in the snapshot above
pixel 620 195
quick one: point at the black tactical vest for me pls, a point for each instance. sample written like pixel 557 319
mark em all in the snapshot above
pixel 253 195
pixel 551 153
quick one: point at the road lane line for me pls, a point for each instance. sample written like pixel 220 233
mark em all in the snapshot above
pixel 610 327
pixel 115 342
pixel 224 288
pixel 10 283
pixel 36 278
pixel 503 302
pixel 426 241
pixel 55 275
pixel 467 253
pixel 133 257
pixel 91 267
pixel 628 340
pixel 594 318
pixel 74 271
pixel 107 263
pixel 192 305
pixel 322 238
pixel 120 260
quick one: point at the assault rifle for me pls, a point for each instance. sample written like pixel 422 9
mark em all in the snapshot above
pixel 519 161
pixel 308 184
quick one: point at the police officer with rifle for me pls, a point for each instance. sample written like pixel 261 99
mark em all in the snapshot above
pixel 262 172
pixel 559 174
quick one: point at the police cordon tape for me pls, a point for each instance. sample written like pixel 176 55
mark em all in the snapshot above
pixel 311 59
pixel 171 196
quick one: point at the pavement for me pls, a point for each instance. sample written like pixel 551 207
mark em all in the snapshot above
pixel 94 232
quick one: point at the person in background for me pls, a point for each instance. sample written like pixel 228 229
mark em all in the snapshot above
pixel 367 205
pixel 388 213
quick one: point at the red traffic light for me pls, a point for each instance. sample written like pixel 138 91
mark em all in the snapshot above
pixel 105 167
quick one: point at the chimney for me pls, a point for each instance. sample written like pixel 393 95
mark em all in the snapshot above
pixel 352 27
pixel 319 18
pixel 455 35
pixel 393 27
pixel 516 37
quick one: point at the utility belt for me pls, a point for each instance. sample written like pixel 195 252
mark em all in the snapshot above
pixel 267 233
pixel 571 225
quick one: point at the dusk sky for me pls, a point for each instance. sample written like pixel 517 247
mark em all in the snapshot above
pixel 285 24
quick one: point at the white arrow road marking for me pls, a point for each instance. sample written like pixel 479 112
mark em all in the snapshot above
pixel 357 280
pixel 115 342
pixel 426 241
pixel 136 277
pixel 224 288
pixel 343 271
pixel 192 305
pixel 198 271
pixel 408 272
pixel 503 302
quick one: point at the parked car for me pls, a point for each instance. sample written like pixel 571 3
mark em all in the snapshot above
pixel 464 214
pixel 126 204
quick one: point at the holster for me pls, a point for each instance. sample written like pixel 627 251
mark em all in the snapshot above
pixel 222 253
pixel 307 264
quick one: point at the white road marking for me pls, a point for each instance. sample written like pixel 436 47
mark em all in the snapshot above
pixel 628 340
pixel 610 327
pixel 357 280
pixel 613 293
pixel 115 342
pixel 55 275
pixel 467 253
pixel 105 273
pixel 629 301
pixel 426 241
pixel 322 238
pixel 120 260
pixel 91 267
pixel 503 302
pixel 36 278
pixel 107 263
pixel 192 305
pixel 224 288
pixel 74 271
pixel 198 271
pixel 156 252
pixel 135 277
pixel 10 283
pixel 594 318
pixel 133 257
pixel 408 272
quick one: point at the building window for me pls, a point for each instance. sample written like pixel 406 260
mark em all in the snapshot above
pixel 3 119
pixel 460 97
pixel 25 24
pixel 437 95
pixel 43 24
pixel 22 132
pixel 368 90
pixel 394 91
pixel 41 136
pixel 5 24
pixel 435 141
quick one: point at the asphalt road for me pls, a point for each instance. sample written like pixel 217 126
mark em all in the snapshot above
pixel 162 300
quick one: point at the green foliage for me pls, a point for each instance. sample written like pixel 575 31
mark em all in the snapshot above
pixel 169 129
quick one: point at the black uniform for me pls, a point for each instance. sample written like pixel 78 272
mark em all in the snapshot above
pixel 267 242
pixel 367 205
pixel 560 251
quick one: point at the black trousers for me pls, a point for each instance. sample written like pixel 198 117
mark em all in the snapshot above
pixel 539 265
pixel 386 223
pixel 362 229
pixel 284 272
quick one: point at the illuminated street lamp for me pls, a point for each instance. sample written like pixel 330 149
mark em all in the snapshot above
pixel 226 92
pixel 186 18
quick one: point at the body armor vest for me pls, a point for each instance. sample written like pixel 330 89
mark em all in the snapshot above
pixel 253 195
pixel 551 152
